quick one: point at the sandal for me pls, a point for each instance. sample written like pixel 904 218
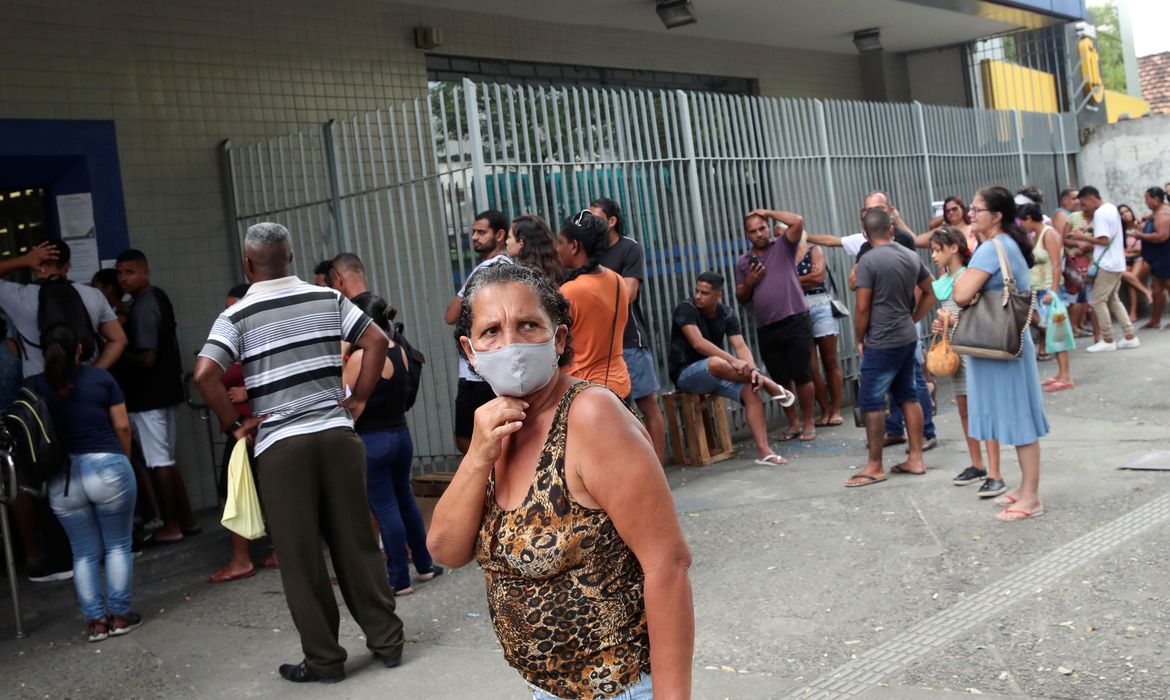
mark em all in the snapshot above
pixel 901 469
pixel 772 460
pixel 222 576
pixel 1009 515
pixel 790 436
pixel 1059 386
pixel 808 435
pixel 851 484
pixel 1005 500
pixel 829 422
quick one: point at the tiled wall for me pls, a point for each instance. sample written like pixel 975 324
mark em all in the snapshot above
pixel 179 77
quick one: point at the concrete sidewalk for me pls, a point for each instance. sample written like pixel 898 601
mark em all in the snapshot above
pixel 902 590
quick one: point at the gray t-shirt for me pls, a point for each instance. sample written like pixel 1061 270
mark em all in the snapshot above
pixel 21 302
pixel 892 272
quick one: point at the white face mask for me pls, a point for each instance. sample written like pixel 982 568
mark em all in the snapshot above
pixel 517 369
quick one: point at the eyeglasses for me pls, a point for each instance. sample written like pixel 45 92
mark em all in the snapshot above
pixel 580 218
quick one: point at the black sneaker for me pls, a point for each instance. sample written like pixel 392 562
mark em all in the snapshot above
pixel 969 476
pixel 46 574
pixel 992 488
pixel 301 673
pixel 124 624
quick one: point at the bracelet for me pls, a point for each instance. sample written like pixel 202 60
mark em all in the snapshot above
pixel 236 424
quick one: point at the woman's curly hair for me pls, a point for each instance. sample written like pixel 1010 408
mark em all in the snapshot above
pixel 554 303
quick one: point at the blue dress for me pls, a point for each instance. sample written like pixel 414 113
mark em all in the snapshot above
pixel 1004 401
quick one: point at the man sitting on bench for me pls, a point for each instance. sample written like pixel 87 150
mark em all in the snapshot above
pixel 699 365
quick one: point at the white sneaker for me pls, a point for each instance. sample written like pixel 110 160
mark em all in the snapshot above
pixel 1130 343
pixel 1102 346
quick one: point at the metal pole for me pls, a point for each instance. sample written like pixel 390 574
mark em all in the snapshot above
pixel 688 143
pixel 1064 152
pixel 233 231
pixel 9 490
pixel 340 229
pixel 1019 127
pixel 921 121
pixel 830 190
pixel 478 178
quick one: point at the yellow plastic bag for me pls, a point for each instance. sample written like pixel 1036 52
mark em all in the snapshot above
pixel 241 513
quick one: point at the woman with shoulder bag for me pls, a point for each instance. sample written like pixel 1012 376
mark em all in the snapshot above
pixel 1004 399
pixel 1045 277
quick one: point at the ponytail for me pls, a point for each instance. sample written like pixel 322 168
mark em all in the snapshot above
pixel 591 232
pixel 1002 202
pixel 59 347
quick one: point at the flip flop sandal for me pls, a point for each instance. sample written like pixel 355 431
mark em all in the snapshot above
pixel 1059 386
pixel 790 436
pixel 772 460
pixel 900 469
pixel 868 480
pixel 1005 500
pixel 220 577
pixel 808 437
pixel 1011 515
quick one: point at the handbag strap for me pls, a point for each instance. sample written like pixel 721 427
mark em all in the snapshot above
pixel 617 299
pixel 1005 267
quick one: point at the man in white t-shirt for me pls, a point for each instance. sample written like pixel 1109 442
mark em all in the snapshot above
pixel 1105 233
pixel 488 234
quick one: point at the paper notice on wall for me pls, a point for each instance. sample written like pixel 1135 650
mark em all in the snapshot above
pixel 75 214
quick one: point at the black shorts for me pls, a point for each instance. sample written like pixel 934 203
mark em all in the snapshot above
pixel 786 347
pixel 471 395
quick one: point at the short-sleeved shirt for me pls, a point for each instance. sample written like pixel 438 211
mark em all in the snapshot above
pixel 901 236
pixel 22 301
pixel 892 272
pixel 599 305
pixel 715 329
pixel 150 325
pixel 1107 223
pixel 778 294
pixel 82 419
pixel 627 258
pixel 986 258
pixel 465 371
pixel 287 334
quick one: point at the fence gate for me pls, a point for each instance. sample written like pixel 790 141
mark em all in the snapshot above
pixel 399 186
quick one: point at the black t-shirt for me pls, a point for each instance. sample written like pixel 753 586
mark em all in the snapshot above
pixel 714 328
pixel 901 236
pixel 627 258
pixel 150 325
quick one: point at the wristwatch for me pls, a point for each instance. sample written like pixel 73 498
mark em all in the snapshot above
pixel 236 424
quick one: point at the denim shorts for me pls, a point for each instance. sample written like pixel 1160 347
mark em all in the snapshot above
pixel 643 374
pixel 695 379
pixel 820 306
pixel 891 370
pixel 643 689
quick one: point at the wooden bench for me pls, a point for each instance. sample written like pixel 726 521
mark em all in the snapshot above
pixel 428 488
pixel 703 435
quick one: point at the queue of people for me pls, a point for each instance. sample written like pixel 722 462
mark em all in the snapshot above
pixel 585 564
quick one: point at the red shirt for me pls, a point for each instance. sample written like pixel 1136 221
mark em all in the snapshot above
pixel 233 377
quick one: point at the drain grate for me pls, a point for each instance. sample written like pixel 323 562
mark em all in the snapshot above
pixel 876 664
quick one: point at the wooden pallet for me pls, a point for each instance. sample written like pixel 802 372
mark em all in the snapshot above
pixel 697 427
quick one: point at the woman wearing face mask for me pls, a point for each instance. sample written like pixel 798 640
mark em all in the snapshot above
pixel 582 553
pixel 599 302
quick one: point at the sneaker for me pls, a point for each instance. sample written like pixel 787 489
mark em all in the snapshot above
pixel 45 574
pixel 969 476
pixel 992 488
pixel 436 570
pixel 96 630
pixel 1129 343
pixel 124 624
pixel 1102 346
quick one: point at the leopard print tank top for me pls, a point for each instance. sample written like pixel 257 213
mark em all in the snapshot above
pixel 564 591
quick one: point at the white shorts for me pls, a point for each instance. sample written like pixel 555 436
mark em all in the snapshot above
pixel 155 431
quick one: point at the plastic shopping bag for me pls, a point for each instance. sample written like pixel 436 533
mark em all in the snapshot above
pixel 1060 336
pixel 241 514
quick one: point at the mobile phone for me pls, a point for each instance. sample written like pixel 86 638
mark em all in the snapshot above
pixel 753 259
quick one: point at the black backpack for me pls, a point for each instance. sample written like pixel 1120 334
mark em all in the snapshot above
pixel 416 360
pixel 59 302
pixel 27 433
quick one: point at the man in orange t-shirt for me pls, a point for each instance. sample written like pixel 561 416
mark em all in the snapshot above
pixel 599 303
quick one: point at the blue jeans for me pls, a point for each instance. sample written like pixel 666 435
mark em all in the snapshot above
pixel 391 498
pixel 642 689
pixel 98 517
pixel 896 422
pixel 695 378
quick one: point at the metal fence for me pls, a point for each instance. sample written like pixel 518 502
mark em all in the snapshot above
pixel 400 186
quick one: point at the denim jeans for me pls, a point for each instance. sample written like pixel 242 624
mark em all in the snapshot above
pixel 896 422
pixel 695 378
pixel 98 514
pixel 388 455
pixel 642 689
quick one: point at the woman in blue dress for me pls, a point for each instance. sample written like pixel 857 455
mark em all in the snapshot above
pixel 1004 403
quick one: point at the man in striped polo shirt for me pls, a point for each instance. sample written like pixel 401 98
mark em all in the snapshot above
pixel 310 463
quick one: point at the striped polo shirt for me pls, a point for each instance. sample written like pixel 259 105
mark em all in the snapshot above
pixel 287 334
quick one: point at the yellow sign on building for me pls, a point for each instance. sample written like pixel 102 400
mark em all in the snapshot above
pixel 1010 86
